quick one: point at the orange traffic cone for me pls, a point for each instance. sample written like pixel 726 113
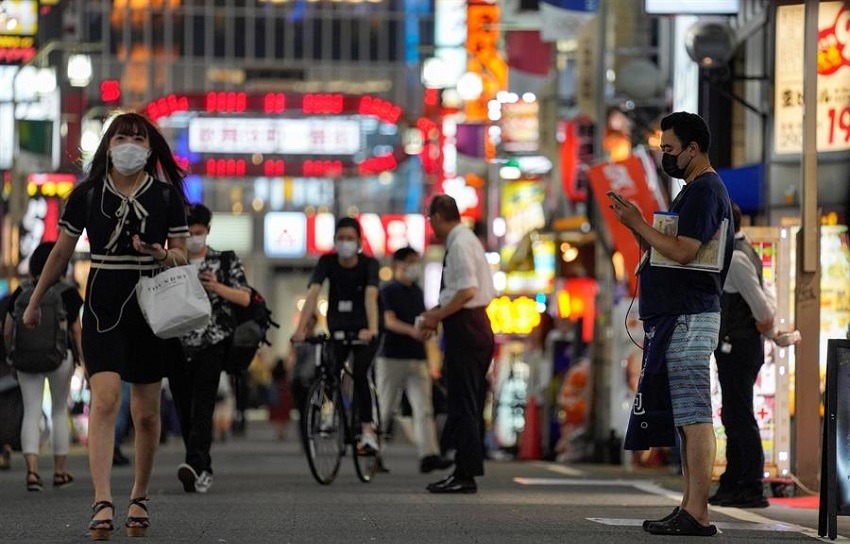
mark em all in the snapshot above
pixel 530 441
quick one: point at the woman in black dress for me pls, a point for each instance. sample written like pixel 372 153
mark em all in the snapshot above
pixel 132 206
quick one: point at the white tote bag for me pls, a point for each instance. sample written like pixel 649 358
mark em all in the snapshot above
pixel 174 302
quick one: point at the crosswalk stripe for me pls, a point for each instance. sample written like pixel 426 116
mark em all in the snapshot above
pixel 748 520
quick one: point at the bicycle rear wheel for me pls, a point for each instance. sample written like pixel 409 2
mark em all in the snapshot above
pixel 366 464
pixel 323 432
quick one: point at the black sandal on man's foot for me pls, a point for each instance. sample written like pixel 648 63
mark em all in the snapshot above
pixel 34 484
pixel 669 516
pixel 101 529
pixel 138 525
pixel 682 524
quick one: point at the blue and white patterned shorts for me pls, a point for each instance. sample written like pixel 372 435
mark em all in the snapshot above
pixel 688 367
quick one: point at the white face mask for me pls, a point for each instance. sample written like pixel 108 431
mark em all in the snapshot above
pixel 346 249
pixel 196 244
pixel 413 272
pixel 129 158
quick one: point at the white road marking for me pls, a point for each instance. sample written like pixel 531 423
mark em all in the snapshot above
pixel 749 520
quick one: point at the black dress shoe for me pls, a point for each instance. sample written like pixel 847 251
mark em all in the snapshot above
pixel 434 462
pixel 455 485
pixel 432 485
pixel 718 497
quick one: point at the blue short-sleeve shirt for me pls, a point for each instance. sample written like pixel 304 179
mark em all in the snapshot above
pixel 702 205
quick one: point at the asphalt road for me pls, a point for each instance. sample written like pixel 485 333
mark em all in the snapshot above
pixel 263 492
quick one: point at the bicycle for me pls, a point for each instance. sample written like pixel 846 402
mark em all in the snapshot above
pixel 329 419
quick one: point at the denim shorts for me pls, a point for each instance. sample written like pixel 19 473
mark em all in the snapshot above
pixel 688 367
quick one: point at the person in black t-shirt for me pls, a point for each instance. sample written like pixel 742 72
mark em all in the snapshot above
pixel 352 309
pixel 403 363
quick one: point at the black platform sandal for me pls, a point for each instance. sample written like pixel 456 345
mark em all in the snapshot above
pixel 138 525
pixel 62 479
pixel 36 484
pixel 101 529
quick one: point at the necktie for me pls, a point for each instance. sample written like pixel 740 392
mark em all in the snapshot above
pixel 443 274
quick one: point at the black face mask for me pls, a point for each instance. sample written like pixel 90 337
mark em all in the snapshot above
pixel 670 166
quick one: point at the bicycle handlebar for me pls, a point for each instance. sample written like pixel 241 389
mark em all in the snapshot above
pixel 345 338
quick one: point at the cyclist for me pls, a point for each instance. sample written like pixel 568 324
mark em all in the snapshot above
pixel 352 310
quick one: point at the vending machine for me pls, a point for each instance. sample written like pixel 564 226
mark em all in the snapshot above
pixel 772 391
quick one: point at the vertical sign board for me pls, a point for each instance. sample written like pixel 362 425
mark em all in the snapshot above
pixel 835 453
pixel 833 94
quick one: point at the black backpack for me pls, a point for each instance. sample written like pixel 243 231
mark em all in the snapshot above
pixel 250 325
pixel 42 348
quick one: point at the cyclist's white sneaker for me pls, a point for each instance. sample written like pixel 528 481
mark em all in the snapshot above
pixel 368 443
pixel 204 482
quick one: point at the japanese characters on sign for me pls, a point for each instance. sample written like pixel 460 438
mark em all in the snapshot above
pixel 833 85
pixel 317 136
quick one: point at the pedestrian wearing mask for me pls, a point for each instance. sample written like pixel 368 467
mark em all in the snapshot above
pixel 402 364
pixel 58 379
pixel 353 310
pixel 136 225
pixel 194 386
pixel 680 309
pixel 466 290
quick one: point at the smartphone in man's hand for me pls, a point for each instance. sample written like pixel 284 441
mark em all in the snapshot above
pixel 614 196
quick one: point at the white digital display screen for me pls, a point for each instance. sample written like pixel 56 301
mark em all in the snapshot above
pixel 691 7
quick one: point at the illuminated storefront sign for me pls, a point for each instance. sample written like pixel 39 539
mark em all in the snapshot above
pixel 540 276
pixel 18 26
pixel 482 36
pixel 293 235
pixel 578 301
pixel 513 316
pixel 522 209
pixel 18 17
pixel 833 89
pixel 50 184
pixel 40 222
pixel 320 136
pixel 520 127
pixel 285 234
pixel 31 106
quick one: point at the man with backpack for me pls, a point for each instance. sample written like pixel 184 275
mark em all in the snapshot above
pixel 44 351
pixel 194 387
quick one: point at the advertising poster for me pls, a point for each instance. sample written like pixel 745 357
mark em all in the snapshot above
pixel 833 89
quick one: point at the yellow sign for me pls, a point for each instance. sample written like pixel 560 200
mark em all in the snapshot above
pixel 517 316
pixel 482 37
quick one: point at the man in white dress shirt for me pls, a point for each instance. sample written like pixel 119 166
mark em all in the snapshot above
pixel 466 290
pixel 746 315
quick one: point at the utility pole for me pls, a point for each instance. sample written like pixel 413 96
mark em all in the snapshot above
pixel 807 422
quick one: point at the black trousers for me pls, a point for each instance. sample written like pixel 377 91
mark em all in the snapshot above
pixel 737 372
pixel 362 362
pixel 469 350
pixel 194 390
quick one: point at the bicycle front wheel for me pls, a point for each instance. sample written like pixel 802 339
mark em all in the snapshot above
pixel 367 463
pixel 323 433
